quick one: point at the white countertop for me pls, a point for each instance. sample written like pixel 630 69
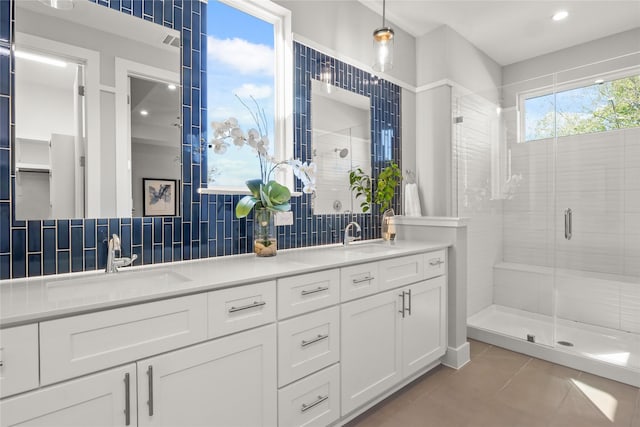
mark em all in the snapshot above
pixel 46 297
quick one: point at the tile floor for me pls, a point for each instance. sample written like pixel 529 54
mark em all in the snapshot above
pixel 500 388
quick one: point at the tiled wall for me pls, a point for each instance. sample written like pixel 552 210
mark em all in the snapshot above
pixel 207 226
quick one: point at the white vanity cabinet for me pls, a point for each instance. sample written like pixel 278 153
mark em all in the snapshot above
pixel 390 336
pixel 230 381
pixel 104 399
pixel 309 349
pixel 18 359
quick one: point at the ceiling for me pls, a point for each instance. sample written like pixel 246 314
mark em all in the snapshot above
pixel 511 31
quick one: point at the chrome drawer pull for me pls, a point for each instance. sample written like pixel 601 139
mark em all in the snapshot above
pixel 306 407
pixel 364 279
pixel 316 339
pixel 435 262
pixel 247 307
pixel 127 400
pixel 409 307
pixel 403 306
pixel 150 401
pixel 313 291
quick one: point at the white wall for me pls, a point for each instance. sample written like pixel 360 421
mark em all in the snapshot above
pixel 346 28
pixel 35 117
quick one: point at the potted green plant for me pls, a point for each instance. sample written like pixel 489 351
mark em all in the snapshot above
pixel 267 195
pixel 379 191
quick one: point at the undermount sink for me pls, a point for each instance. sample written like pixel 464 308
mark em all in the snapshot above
pixel 138 281
pixel 368 247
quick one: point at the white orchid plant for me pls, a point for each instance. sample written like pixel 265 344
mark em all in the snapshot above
pixel 265 191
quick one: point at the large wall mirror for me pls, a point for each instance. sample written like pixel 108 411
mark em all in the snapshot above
pixel 341 142
pixel 97 110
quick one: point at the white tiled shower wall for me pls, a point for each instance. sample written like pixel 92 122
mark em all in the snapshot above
pixel 598 177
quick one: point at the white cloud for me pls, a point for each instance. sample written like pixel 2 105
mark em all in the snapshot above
pixel 257 91
pixel 241 55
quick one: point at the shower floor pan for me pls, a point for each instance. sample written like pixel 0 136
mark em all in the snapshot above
pixel 600 351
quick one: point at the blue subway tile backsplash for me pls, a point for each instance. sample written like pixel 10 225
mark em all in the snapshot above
pixel 207 226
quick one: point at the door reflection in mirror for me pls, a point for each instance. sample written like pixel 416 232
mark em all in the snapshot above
pixel 73 141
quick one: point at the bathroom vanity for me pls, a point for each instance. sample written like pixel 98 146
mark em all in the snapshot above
pixel 311 337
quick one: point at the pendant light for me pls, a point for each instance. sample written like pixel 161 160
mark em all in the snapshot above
pixel 383 45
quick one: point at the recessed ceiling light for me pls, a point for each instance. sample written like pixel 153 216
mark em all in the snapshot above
pixel 144 113
pixel 560 15
pixel 171 87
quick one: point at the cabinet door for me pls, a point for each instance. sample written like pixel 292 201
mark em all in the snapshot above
pixel 226 382
pixel 18 359
pixel 370 345
pixel 104 399
pixel 424 338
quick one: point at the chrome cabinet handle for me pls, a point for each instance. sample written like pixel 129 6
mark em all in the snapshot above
pixel 150 401
pixel 409 307
pixel 127 399
pixel 435 261
pixel 403 306
pixel 306 407
pixel 314 340
pixel 364 279
pixel 313 291
pixel 247 307
pixel 568 224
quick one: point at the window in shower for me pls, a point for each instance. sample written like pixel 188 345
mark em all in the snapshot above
pixel 596 107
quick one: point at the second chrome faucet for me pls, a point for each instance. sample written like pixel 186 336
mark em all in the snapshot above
pixel 348 238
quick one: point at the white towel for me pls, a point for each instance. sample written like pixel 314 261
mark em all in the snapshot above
pixel 411 200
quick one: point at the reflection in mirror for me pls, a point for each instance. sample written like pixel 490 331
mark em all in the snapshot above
pixel 155 128
pixel 75 140
pixel 341 142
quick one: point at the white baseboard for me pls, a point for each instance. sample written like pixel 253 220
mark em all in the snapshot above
pixel 456 358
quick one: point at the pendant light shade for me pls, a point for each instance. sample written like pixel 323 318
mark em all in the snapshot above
pixel 383 45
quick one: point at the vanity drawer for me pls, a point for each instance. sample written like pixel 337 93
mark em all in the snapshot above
pixel 401 271
pixel 435 264
pixel 312 401
pixel 307 344
pixel 18 359
pixel 86 343
pixel 358 281
pixel 308 292
pixel 243 307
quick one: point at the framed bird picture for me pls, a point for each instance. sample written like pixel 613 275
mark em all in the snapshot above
pixel 160 197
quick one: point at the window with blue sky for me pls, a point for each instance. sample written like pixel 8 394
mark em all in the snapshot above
pixel 240 61
pixel 597 107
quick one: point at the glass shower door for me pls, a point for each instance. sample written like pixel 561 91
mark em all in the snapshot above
pixel 597 188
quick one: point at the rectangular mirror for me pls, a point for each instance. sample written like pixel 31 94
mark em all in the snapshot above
pixel 341 142
pixel 97 110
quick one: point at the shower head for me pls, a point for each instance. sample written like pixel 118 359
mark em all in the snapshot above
pixel 343 152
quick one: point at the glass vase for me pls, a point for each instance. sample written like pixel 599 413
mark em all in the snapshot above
pixel 264 233
pixel 388 231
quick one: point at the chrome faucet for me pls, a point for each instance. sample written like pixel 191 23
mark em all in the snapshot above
pixel 113 262
pixel 347 237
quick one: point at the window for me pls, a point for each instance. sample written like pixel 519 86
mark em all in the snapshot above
pixel 248 56
pixel 598 107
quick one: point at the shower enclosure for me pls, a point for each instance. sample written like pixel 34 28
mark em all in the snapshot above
pixel 548 170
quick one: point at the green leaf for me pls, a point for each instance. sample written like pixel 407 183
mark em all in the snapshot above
pixel 254 186
pixel 284 207
pixel 265 198
pixel 277 193
pixel 244 206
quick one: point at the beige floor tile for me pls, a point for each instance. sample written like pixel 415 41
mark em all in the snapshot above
pixel 579 410
pixel 477 348
pixel 499 388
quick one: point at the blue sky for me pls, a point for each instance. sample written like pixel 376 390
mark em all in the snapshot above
pixel 240 61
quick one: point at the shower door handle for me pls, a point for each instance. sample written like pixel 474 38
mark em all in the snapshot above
pixel 567 224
